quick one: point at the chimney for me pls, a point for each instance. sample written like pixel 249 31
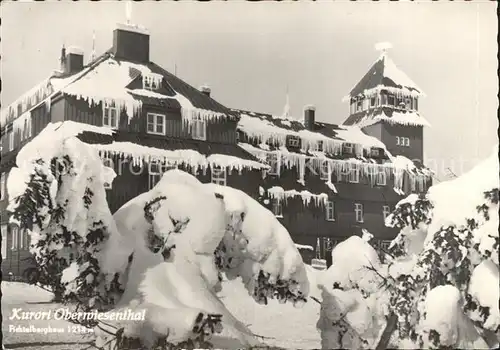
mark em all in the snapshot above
pixel 131 43
pixel 73 62
pixel 205 89
pixel 309 117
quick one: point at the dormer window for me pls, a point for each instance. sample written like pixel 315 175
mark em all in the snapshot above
pixel 359 105
pixel 151 81
pixel 110 117
pixel 199 129
pixel 293 141
pixel 375 152
pixel 348 148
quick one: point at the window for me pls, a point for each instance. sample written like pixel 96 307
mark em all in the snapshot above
pixel 358 210
pixel 354 174
pixel 3 187
pixel 386 210
pixel 4 241
pixel 373 101
pixel 154 175
pixel 293 141
pixel 381 178
pixel 26 239
pixel 348 148
pixel 391 100
pixel 384 244
pixel 219 176
pixel 324 173
pixel 319 146
pixel 274 162
pixel 359 105
pixel 330 211
pixel 156 123
pixel 110 116
pixel 22 239
pixel 14 231
pixel 151 81
pixel 384 99
pixel 408 103
pixel 277 208
pixel 199 129
pixel 11 140
pixel 415 104
pixel 403 141
pixel 375 152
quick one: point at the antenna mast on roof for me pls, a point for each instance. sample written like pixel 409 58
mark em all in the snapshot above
pixel 128 10
pixel 92 55
pixel 286 109
pixel 383 47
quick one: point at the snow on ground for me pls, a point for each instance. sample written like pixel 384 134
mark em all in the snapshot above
pixel 281 325
pixel 33 299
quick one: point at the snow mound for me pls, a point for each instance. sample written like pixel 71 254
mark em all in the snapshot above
pixel 184 234
pixel 353 300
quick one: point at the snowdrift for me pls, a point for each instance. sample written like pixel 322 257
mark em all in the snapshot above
pixel 164 252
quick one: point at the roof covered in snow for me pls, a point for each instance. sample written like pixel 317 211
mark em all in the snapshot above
pixel 121 82
pixel 265 132
pixel 385 74
pixel 386 114
pixel 193 153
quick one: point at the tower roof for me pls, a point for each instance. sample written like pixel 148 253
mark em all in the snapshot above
pixel 384 74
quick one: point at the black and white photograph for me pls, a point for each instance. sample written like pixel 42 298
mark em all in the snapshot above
pixel 249 175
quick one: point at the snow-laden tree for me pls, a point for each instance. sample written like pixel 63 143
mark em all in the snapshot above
pixel 163 254
pixel 440 287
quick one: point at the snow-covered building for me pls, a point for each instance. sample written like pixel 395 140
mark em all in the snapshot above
pixel 385 105
pixel 141 118
pixel 325 182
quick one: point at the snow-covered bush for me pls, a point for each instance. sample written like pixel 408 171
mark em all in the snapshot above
pixel 164 252
pixel 441 287
pixel 354 297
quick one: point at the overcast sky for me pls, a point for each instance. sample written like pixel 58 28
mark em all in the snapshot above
pixel 250 52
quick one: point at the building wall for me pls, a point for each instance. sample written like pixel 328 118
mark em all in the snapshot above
pixel 223 131
pixel 414 133
pixel 374 130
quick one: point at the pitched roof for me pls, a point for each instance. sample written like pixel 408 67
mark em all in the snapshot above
pixel 387 114
pixel 119 81
pixel 262 128
pixel 385 74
